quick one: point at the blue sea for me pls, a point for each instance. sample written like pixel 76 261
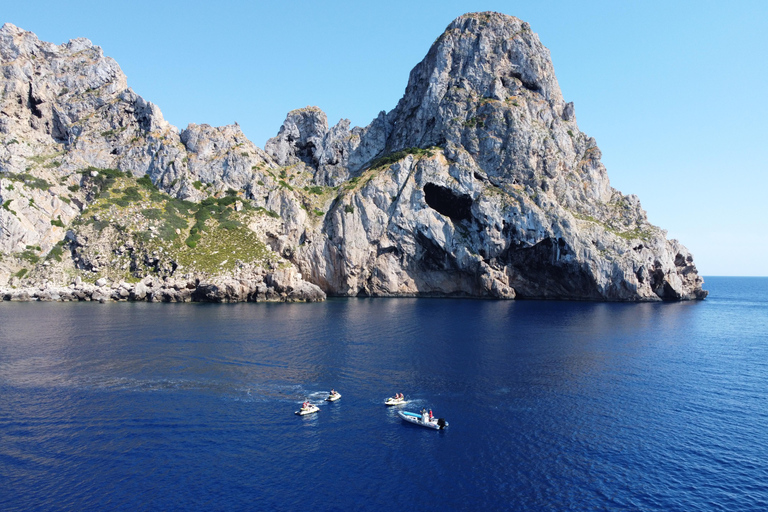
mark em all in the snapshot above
pixel 551 405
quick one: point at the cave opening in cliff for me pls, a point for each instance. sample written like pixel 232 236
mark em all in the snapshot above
pixel 447 202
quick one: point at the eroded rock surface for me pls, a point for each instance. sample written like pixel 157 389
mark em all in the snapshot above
pixel 478 183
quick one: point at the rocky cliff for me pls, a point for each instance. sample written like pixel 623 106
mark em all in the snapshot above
pixel 478 183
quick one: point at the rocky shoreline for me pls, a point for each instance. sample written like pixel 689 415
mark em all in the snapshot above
pixel 279 286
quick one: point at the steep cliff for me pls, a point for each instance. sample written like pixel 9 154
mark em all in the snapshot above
pixel 478 183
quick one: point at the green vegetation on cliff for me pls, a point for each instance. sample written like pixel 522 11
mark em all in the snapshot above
pixel 140 230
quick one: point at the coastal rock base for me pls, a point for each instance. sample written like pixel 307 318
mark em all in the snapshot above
pixel 279 286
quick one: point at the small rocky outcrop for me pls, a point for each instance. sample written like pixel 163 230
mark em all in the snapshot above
pixel 478 183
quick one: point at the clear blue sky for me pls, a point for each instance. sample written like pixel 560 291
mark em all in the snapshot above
pixel 673 92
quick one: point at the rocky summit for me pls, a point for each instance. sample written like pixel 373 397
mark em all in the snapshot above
pixel 478 183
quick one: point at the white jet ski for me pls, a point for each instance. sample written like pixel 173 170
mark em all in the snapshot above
pixel 395 401
pixel 333 396
pixel 307 408
pixel 423 420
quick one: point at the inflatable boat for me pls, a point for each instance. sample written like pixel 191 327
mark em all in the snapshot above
pixel 423 420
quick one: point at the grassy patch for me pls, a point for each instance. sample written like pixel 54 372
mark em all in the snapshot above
pixel 474 122
pixel 152 213
pixel 633 234
pixel 198 236
pixel 220 247
pixel 132 194
pixel 39 159
pixel 399 155
pixel 30 254
pixel 271 213
pixel 637 233
pixel 352 183
pixel 589 218
pixel 104 178
pixel 56 252
pixel 146 182
pixel 29 180
pixel 315 190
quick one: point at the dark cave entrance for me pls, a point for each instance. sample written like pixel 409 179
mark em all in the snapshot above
pixel 446 201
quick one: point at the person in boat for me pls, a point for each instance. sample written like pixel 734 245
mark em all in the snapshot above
pixel 305 405
pixel 333 391
pixel 430 415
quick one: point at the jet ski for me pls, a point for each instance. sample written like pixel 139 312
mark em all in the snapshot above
pixel 395 400
pixel 307 408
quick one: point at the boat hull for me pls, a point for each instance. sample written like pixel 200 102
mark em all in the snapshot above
pixel 333 398
pixel 395 401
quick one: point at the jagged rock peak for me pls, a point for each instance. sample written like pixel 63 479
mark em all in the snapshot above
pixel 16 42
pixel 334 153
pixel 51 87
pixel 480 57
pixel 302 132
pixel 488 51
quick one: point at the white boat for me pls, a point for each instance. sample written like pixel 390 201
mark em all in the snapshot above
pixel 395 401
pixel 307 409
pixel 423 420
pixel 333 396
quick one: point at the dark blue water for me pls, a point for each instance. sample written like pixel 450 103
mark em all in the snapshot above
pixel 552 405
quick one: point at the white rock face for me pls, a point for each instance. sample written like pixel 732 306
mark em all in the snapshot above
pixel 478 183
pixel 513 200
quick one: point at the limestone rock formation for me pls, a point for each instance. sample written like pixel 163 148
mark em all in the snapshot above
pixel 478 183
pixel 488 188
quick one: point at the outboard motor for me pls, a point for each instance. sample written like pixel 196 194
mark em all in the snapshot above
pixel 441 422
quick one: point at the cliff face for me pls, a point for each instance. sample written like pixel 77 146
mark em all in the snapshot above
pixel 478 183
